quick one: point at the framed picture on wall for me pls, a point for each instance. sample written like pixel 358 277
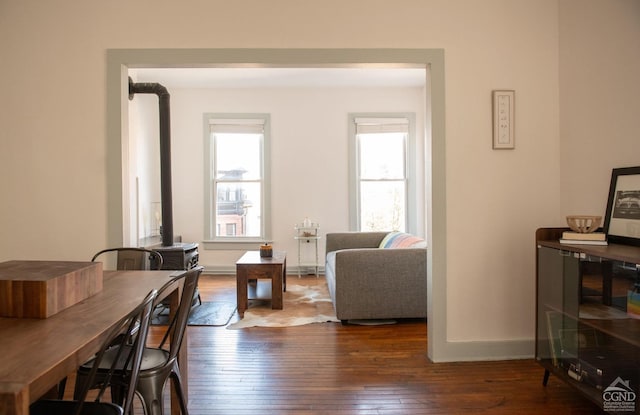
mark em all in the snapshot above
pixel 503 119
pixel 622 220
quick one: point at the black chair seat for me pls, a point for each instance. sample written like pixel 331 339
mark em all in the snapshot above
pixel 56 407
pixel 151 359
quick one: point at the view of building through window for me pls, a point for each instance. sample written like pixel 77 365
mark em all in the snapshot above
pixel 382 181
pixel 237 184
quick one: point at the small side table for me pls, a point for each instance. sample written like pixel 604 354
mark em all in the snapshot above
pixel 307 234
pixel 251 266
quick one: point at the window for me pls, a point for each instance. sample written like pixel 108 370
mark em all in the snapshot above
pixel 237 178
pixel 382 176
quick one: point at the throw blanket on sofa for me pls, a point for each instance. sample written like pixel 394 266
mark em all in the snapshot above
pixel 402 240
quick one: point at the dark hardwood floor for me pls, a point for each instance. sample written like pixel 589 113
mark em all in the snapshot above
pixel 334 369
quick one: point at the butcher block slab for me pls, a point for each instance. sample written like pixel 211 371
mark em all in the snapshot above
pixel 39 289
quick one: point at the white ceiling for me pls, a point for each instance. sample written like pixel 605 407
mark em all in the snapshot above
pixel 280 77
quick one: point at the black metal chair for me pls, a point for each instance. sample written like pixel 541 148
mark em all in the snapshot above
pixel 126 258
pixel 159 364
pixel 130 258
pixel 135 259
pixel 130 351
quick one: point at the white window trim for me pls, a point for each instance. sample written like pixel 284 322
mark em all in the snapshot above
pixel 411 168
pixel 234 121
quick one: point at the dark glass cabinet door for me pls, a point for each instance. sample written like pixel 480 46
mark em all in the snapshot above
pixel 587 332
pixel 558 308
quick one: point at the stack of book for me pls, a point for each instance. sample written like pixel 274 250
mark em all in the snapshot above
pixel 577 238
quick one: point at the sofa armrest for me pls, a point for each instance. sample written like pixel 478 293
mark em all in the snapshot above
pixel 351 240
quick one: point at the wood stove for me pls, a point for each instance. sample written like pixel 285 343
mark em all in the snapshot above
pixel 175 255
pixel 178 256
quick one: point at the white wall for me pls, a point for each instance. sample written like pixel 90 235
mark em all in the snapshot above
pixel 53 122
pixel 599 99
pixel 309 164
pixel 144 169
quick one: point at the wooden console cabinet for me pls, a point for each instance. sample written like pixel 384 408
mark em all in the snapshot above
pixel 586 331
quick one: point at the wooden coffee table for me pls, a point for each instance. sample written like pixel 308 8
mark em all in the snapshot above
pixel 251 266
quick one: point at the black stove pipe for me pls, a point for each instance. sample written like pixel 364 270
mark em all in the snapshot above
pixel 165 153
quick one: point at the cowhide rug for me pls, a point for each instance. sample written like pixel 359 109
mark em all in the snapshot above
pixel 303 304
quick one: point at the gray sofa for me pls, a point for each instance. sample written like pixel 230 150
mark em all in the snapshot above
pixel 368 282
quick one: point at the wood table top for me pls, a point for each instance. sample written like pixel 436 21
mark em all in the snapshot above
pixel 253 258
pixel 37 353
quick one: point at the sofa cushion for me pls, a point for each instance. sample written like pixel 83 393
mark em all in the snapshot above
pixel 402 240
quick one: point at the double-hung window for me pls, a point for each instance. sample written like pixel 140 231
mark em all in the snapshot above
pixel 382 174
pixel 237 185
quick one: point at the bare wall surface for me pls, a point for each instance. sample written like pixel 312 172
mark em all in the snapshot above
pixel 599 90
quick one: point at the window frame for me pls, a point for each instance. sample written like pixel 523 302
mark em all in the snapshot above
pixel 211 240
pixel 411 207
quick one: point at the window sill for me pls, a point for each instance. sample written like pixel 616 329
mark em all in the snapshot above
pixel 233 245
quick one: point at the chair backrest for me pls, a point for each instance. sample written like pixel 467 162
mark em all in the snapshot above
pixel 136 259
pixel 178 323
pixel 123 337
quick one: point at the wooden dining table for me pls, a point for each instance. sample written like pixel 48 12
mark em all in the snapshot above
pixel 35 354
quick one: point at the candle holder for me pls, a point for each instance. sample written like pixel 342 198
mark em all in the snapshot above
pixel 266 250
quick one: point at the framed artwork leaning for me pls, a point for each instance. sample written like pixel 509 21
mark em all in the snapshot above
pixel 622 220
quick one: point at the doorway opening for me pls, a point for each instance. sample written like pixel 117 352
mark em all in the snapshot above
pixel 431 61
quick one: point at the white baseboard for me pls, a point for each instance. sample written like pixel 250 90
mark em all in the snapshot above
pixel 487 350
